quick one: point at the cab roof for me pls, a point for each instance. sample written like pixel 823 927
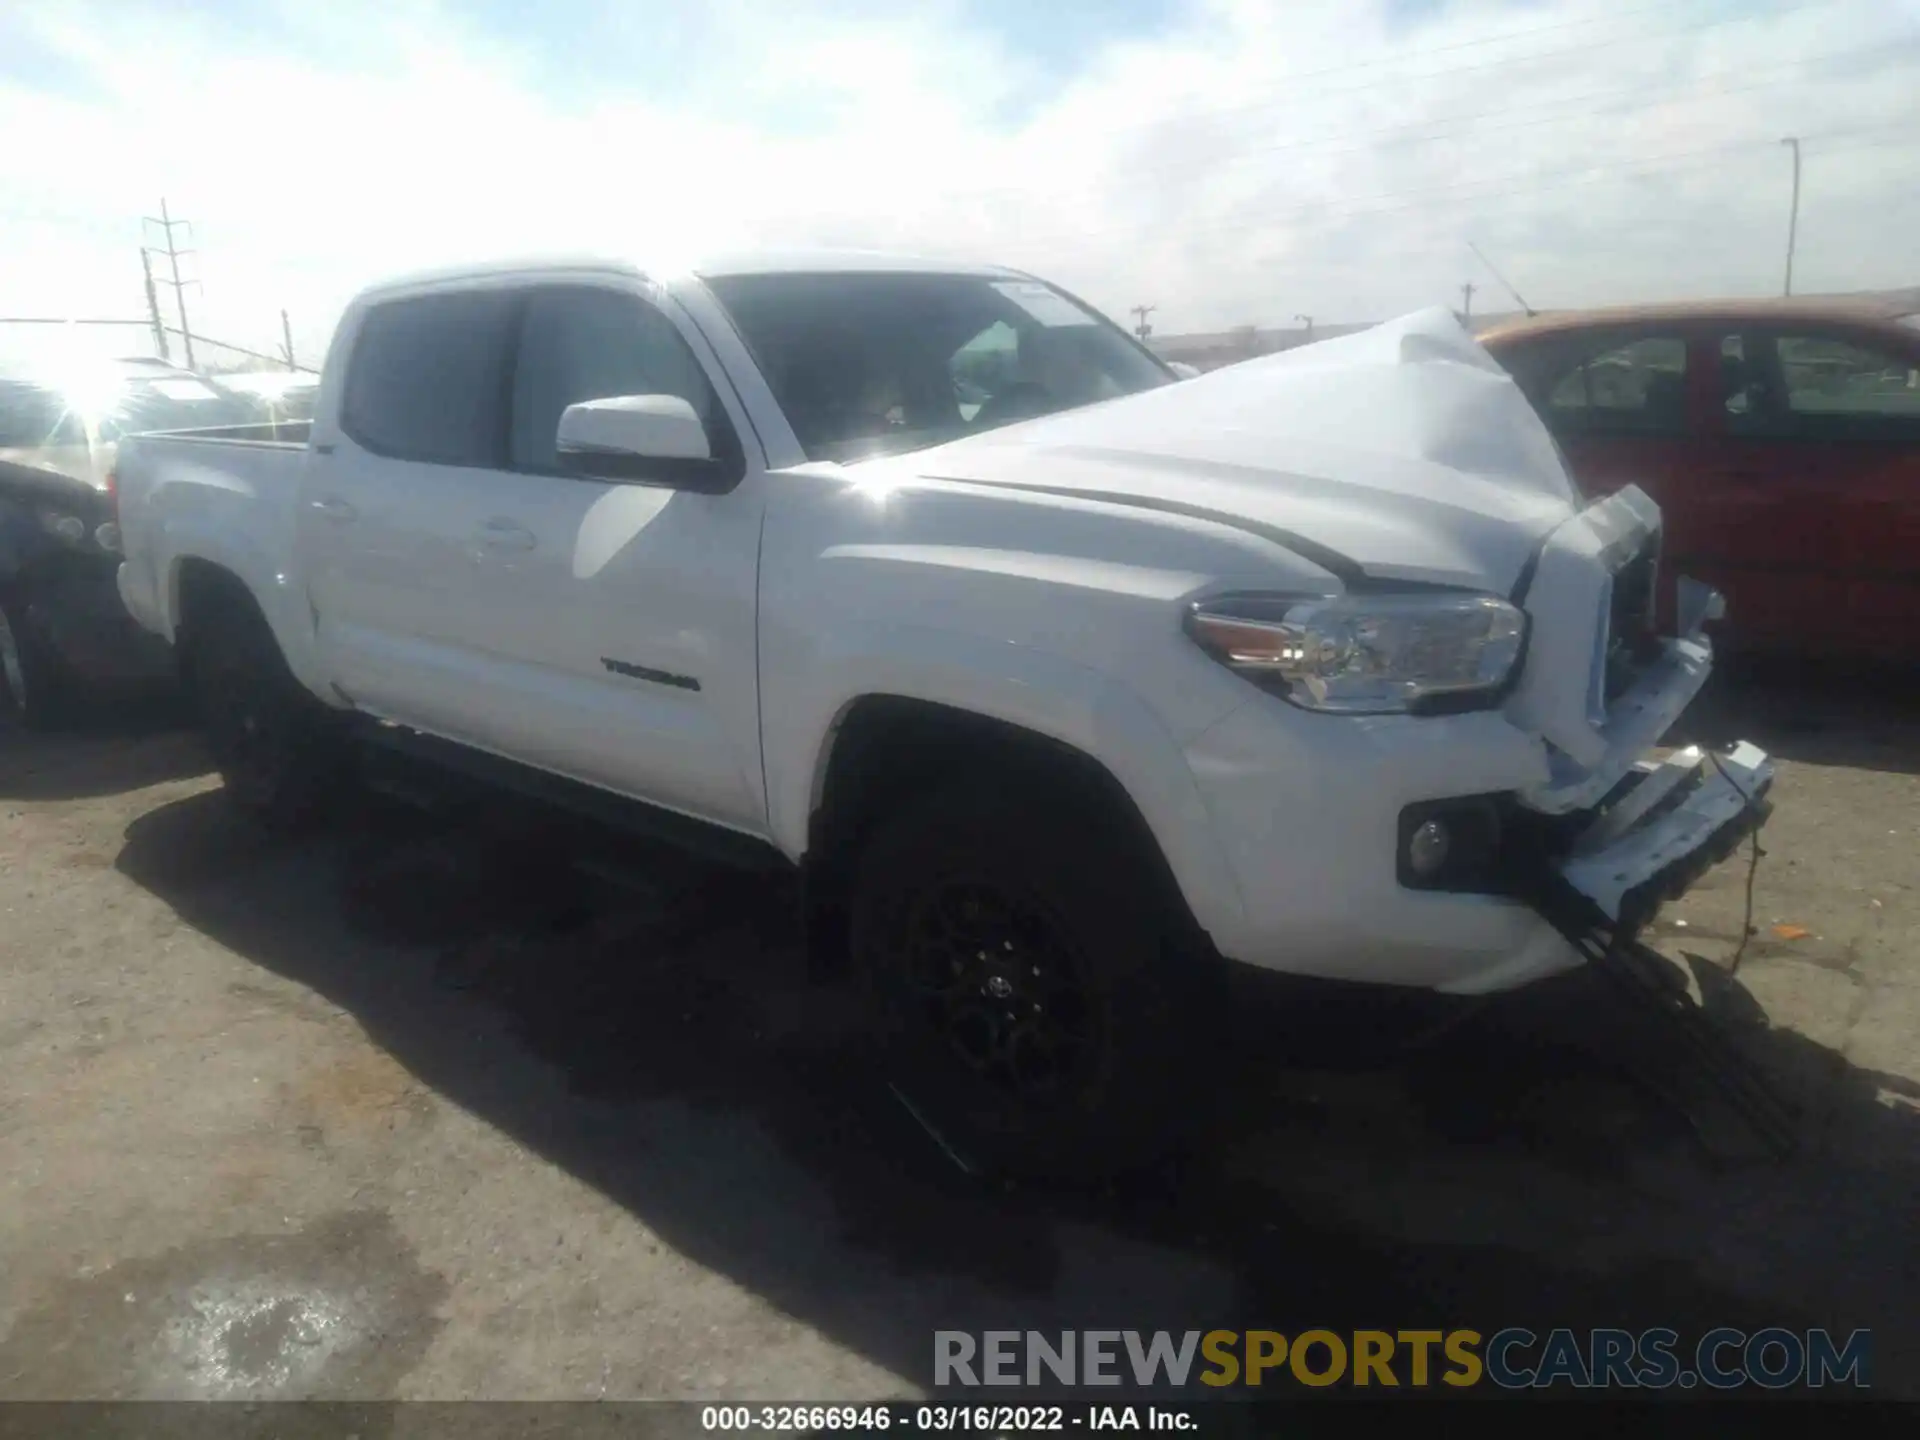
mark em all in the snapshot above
pixel 758 262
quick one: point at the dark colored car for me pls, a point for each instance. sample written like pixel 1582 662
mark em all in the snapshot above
pixel 64 633
pixel 277 394
pixel 1782 441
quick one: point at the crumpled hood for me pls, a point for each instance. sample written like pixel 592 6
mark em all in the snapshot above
pixel 1405 450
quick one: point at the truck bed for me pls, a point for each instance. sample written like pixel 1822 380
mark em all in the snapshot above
pixel 271 434
pixel 225 494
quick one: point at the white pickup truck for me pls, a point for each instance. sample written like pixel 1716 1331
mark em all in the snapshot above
pixel 1058 681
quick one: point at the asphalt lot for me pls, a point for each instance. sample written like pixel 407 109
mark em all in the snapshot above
pixel 389 1113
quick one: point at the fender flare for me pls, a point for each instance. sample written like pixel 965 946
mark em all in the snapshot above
pixel 282 602
pixel 1030 690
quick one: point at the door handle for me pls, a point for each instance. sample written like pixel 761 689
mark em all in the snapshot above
pixel 501 533
pixel 334 508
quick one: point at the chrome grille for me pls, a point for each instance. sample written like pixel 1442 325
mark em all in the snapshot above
pixel 1633 639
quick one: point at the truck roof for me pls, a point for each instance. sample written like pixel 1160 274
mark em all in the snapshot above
pixel 752 262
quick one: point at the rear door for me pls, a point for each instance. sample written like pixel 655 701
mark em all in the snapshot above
pixel 394 493
pixel 1822 429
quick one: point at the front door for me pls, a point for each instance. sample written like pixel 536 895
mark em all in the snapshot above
pixel 464 585
pixel 613 622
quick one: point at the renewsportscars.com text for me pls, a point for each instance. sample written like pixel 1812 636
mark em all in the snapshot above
pixel 1513 1358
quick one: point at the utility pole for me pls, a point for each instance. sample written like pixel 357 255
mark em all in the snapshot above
pixel 167 226
pixel 1140 313
pixel 1792 142
pixel 153 303
pixel 1466 297
pixel 1307 322
pixel 286 339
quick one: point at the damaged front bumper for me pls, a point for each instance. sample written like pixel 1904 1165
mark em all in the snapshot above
pixel 1610 833
pixel 1667 824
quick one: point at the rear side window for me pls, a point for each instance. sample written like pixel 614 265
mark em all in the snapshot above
pixel 1828 376
pixel 427 378
pixel 1819 387
pixel 1635 388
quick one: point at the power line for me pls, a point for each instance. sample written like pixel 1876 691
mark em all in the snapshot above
pixel 280 360
pixel 1550 112
pixel 1440 247
pixel 1521 119
pixel 1535 181
pixel 63 320
pixel 1360 206
pixel 1502 63
pixel 1442 250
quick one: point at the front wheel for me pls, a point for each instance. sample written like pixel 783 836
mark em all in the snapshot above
pixel 276 747
pixel 1042 1006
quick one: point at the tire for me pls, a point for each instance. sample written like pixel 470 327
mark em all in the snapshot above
pixel 277 749
pixel 35 690
pixel 1040 999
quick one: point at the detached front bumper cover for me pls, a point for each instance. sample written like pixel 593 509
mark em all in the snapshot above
pixel 1672 821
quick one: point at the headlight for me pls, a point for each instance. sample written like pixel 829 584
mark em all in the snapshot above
pixel 1365 654
pixel 70 528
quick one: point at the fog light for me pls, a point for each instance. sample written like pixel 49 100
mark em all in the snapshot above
pixel 1427 849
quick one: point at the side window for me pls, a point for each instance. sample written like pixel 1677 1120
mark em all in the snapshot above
pixel 588 344
pixel 426 378
pixel 1840 386
pixel 1818 387
pixel 1637 388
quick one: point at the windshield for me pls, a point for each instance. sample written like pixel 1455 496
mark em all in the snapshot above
pixel 866 364
pixel 178 403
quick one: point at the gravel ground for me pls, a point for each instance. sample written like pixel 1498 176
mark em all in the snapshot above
pixel 401 1113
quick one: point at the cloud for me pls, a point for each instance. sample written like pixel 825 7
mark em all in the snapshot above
pixel 1232 161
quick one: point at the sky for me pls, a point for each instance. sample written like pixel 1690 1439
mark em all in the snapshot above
pixel 1229 162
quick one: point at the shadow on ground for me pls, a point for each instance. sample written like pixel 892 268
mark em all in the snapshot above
pixel 112 749
pixel 662 1043
pixel 1817 714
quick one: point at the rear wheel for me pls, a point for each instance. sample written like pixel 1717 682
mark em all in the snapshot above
pixel 34 688
pixel 277 748
pixel 1039 995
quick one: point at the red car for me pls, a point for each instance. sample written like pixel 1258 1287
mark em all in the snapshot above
pixel 1782 441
